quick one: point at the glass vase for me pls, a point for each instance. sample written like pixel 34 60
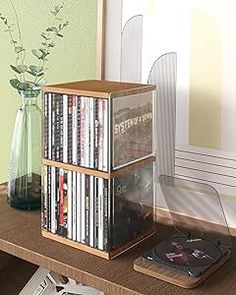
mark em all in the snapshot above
pixel 24 171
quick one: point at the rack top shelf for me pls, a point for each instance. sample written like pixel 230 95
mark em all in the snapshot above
pixel 20 236
pixel 99 88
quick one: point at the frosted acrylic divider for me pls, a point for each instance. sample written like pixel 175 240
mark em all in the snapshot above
pixel 196 209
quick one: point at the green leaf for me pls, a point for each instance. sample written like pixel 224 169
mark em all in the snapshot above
pixel 35 69
pixel 25 86
pixel 22 68
pixel 54 29
pixel 57 8
pixel 32 73
pixel 44 57
pixel 53 12
pixel 14 83
pixel 35 74
pixel 51 29
pixel 19 48
pixel 43 51
pixel 15 69
pixel 42 82
pixel 40 74
pixel 37 53
pixel 44 36
pixel 44 54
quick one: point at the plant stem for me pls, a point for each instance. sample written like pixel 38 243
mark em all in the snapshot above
pixel 14 45
pixel 22 54
pixel 52 39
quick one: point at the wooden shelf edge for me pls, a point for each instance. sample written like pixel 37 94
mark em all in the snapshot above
pixel 98 173
pixel 75 168
pixel 97 252
pixel 132 91
pixel 76 245
pixel 68 91
pixel 99 88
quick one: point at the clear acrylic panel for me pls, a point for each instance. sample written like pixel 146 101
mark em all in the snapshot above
pixel 195 209
pixel 132 205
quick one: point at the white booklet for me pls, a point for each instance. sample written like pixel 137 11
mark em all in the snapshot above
pixel 44 282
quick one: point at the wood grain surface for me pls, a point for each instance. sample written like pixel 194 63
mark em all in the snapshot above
pixel 99 88
pixel 98 173
pixel 20 236
pixel 177 278
pixel 106 255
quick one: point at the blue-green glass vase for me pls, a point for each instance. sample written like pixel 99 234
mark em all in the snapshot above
pixel 24 171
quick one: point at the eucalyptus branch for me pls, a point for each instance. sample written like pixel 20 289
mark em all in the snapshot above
pixel 13 42
pixel 17 22
pixel 49 35
pixel 21 53
pixel 51 44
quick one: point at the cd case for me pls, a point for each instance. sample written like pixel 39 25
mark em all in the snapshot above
pixel 201 242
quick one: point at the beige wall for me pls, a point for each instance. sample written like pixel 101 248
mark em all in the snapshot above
pixel 206 82
pixel 73 58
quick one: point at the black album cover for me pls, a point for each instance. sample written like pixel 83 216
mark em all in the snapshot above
pixel 189 255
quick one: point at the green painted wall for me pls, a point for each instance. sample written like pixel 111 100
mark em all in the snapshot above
pixel 73 58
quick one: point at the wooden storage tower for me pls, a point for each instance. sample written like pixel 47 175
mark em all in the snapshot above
pixel 98 165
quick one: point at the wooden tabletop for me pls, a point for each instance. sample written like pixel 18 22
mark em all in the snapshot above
pixel 20 236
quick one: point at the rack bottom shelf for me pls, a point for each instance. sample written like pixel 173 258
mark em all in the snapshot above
pixel 97 252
